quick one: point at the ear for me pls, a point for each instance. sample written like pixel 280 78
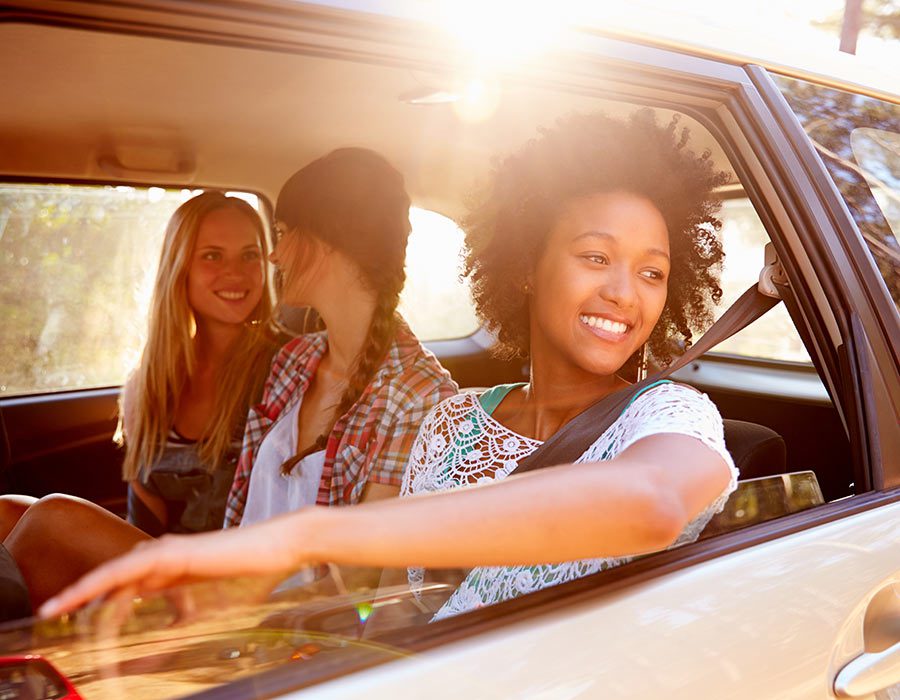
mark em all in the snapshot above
pixel 320 248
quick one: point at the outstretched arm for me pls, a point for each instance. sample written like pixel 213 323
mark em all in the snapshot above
pixel 636 503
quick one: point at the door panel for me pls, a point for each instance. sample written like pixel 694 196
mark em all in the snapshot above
pixel 772 621
pixel 64 443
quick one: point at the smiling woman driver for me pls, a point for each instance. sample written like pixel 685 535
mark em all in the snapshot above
pixel 596 240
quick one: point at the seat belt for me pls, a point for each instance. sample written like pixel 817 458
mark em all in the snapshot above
pixel 576 436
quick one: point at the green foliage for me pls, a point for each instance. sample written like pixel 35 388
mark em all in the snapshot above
pixel 880 18
pixel 77 270
pixel 858 139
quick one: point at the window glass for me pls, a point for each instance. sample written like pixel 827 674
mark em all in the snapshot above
pixel 878 153
pixel 78 265
pixel 774 336
pixel 435 302
pixel 858 138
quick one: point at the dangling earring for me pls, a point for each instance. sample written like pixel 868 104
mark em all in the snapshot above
pixel 642 363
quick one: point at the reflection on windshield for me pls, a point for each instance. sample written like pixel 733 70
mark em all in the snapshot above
pixel 197 637
pixel 879 152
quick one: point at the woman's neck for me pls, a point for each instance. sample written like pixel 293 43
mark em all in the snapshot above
pixel 347 319
pixel 557 392
pixel 212 344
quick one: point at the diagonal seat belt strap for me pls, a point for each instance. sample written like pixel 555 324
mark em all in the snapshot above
pixel 571 441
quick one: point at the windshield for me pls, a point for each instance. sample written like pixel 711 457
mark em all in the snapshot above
pixel 858 138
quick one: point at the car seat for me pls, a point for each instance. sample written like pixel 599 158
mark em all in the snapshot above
pixel 757 450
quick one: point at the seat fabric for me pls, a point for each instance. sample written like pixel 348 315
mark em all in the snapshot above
pixel 757 450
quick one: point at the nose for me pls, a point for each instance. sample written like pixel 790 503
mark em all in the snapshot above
pixel 618 287
pixel 277 254
pixel 234 267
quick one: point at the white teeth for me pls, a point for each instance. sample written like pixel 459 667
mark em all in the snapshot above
pixel 603 324
pixel 231 296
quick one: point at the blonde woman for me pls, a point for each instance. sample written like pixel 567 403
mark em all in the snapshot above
pixel 205 361
pixel 182 411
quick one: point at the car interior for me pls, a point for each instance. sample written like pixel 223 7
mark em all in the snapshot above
pixel 107 130
pixel 91 109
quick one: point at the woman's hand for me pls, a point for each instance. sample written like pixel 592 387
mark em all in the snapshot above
pixel 172 560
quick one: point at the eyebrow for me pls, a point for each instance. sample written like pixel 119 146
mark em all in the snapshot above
pixel 609 238
pixel 212 246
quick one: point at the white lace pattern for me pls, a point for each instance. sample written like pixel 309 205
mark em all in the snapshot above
pixel 459 443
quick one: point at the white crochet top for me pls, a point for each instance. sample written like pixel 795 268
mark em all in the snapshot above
pixel 460 443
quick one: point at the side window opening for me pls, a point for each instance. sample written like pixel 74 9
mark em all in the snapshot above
pixel 764 376
pixel 78 264
pixel 435 301
pixel 774 336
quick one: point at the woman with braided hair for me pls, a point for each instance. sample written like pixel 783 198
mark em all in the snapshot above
pixel 341 407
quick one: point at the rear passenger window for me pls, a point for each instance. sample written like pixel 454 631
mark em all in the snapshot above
pixel 77 265
pixel 436 301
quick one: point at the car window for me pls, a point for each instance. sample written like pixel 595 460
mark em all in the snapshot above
pixel 435 301
pixel 77 265
pixel 858 138
pixel 774 336
pixel 878 153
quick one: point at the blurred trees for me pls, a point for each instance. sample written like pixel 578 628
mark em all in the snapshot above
pixel 77 270
pixel 858 139
pixel 880 18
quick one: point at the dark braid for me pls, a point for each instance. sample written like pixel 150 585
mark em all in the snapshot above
pixel 355 200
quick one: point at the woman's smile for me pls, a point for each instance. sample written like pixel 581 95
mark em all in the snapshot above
pixel 606 326
pixel 233 295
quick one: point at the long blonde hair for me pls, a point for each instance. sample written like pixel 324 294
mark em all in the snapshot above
pixel 169 359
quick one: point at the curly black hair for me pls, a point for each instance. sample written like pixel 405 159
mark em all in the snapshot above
pixel 584 155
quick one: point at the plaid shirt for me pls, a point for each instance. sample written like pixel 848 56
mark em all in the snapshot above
pixel 372 441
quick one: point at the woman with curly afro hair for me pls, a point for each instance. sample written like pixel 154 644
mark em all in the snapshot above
pixel 596 240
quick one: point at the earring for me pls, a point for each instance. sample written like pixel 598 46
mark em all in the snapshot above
pixel 526 288
pixel 643 365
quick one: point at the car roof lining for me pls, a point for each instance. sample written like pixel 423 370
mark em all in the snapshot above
pixel 248 117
